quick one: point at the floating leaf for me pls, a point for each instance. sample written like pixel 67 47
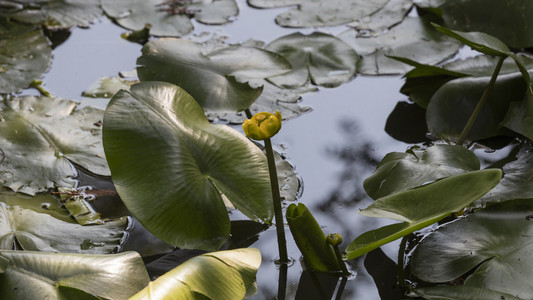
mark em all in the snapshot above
pixel 41 275
pixel 76 204
pixel 451 106
pixel 20 64
pixel 316 13
pixel 394 12
pixel 421 207
pixel 273 98
pixel 216 275
pixel 169 18
pixel 40 136
pixel 493 242
pixel 402 171
pixel 106 87
pixel 318 255
pixel 519 117
pixel 414 38
pixel 55 14
pixel 222 73
pixel 407 123
pixel 460 293
pixel 320 58
pixel 38 230
pixel 494 17
pixel 191 162
pixel 516 182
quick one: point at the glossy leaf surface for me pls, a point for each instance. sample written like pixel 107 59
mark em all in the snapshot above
pixel 318 57
pixel 494 241
pixel 216 275
pixel 421 207
pixel 40 136
pixel 461 293
pixel 223 73
pixel 316 13
pixel 20 64
pixel 43 275
pixel 393 13
pixel 156 135
pixel 414 38
pixel 402 171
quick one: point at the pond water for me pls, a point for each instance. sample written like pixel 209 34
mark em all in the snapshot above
pixel 333 148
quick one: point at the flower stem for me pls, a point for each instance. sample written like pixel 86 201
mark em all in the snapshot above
pixel 278 215
pixel 401 257
pixel 345 271
pixel 481 102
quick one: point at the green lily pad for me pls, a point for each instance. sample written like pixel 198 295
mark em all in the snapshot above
pixel 494 17
pixel 185 163
pixel 493 242
pixel 273 98
pixel 42 275
pixel 451 106
pixel 54 14
pixel 29 224
pixel 399 171
pixel 320 58
pixel 223 73
pixel 516 182
pixel 394 12
pixel 20 64
pixel 460 293
pixel 216 275
pixel 317 13
pixel 519 117
pixel 421 207
pixel 169 18
pixel 414 39
pixel 40 136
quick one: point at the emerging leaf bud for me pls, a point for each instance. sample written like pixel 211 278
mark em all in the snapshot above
pixel 262 125
pixel 334 239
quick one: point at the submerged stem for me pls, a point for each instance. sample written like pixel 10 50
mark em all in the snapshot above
pixel 278 214
pixel 401 256
pixel 481 102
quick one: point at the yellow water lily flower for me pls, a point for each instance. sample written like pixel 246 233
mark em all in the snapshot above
pixel 262 125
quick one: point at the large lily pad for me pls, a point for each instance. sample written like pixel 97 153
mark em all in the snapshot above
pixel 169 18
pixel 54 14
pixel 495 17
pixel 421 207
pixel 320 58
pixel 41 275
pixel 216 275
pixel 316 13
pixel 460 293
pixel 493 242
pixel 217 80
pixel 414 38
pixel 170 166
pixel 20 64
pixel 401 171
pixel 40 136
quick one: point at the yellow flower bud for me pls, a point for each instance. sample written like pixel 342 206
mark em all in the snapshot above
pixel 262 125
pixel 334 239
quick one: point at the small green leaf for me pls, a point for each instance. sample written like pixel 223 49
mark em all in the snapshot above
pixel 393 13
pixel 401 171
pixel 311 240
pixel 159 145
pixel 216 275
pixel 421 207
pixel 519 117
